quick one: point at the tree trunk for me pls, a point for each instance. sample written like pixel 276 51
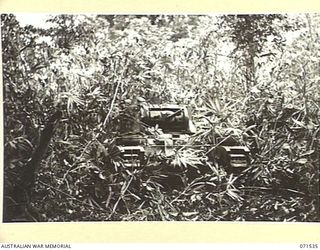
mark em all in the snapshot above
pixel 17 205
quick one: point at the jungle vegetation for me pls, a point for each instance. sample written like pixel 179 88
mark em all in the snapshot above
pixel 255 77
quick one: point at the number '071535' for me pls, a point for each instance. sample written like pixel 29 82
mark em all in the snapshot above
pixel 309 246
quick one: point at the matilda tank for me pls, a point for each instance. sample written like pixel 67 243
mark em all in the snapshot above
pixel 162 129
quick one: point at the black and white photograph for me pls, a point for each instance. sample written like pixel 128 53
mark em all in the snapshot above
pixel 140 117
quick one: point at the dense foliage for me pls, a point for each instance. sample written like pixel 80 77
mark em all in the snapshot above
pixel 255 77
